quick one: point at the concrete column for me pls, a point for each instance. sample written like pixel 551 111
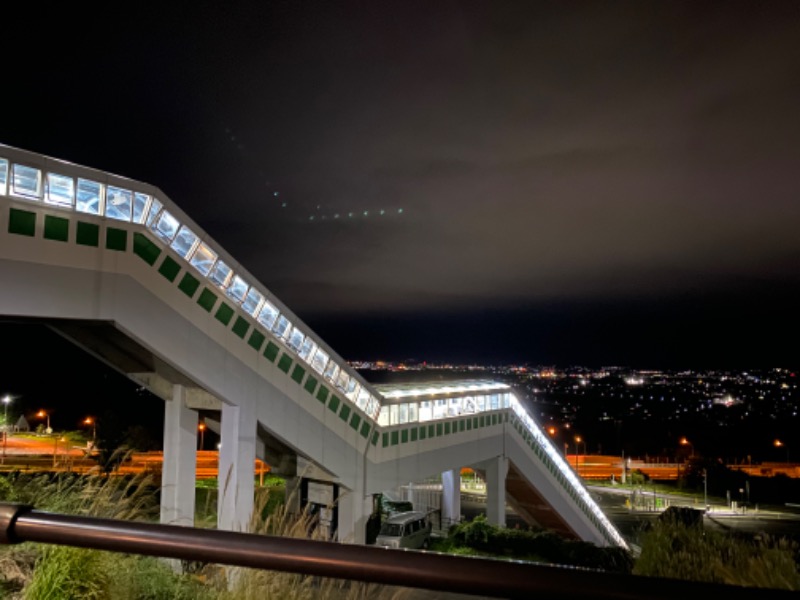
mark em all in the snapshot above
pixel 354 511
pixel 496 471
pixel 451 497
pixel 236 479
pixel 180 461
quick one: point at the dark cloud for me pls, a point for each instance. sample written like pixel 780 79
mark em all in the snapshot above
pixel 546 155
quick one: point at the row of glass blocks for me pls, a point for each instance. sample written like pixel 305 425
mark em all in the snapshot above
pixel 92 197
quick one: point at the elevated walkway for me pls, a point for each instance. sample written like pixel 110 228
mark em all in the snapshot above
pixel 117 267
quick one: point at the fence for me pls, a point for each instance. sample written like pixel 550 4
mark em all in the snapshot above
pixel 426 570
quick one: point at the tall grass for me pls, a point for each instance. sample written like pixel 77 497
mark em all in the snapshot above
pixel 678 551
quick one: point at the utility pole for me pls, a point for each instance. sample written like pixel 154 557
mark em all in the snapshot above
pixel 705 488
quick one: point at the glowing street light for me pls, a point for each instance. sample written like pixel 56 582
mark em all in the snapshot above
pixel 202 429
pixel 685 442
pixel 579 440
pixel 93 423
pixel 6 402
pixel 780 444
pixel 43 415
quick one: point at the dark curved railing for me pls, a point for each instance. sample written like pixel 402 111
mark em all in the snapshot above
pixel 406 568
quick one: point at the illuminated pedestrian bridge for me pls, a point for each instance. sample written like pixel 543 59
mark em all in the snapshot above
pixel 116 266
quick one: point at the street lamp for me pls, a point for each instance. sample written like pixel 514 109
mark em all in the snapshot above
pixel 93 423
pixel 43 415
pixel 685 442
pixel 780 444
pixel 579 440
pixel 6 401
pixel 202 428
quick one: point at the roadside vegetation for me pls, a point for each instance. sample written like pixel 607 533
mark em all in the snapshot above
pixel 671 548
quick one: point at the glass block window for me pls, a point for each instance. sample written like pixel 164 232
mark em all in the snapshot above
pixel 140 204
pixel 319 360
pixel 281 325
pixel 119 203
pixel 155 207
pixel 403 413
pixel 425 410
pixel 362 399
pixel 3 176
pixel 374 407
pixel 267 315
pixel 237 289
pixel 412 412
pixel 394 414
pixel 342 379
pixel 26 181
pixel 60 190
pixel 165 226
pixel 307 348
pixel 383 418
pixel 203 258
pixel 352 390
pixel 89 197
pixel 252 302
pixel 296 338
pixel 184 242
pixel 331 371
pixel 220 274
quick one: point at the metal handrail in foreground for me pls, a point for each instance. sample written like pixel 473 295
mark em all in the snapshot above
pixel 427 570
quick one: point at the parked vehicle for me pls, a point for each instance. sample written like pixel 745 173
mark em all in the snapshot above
pixel 409 529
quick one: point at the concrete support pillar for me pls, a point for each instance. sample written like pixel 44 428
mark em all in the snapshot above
pixel 237 457
pixel 354 511
pixel 180 461
pixel 496 471
pixel 451 497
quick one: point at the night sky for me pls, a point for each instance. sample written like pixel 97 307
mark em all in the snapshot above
pixel 598 183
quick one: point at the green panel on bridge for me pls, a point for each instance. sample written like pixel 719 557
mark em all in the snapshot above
pixel 116 239
pixel 414 434
pixel 189 284
pixel 241 326
pixel 355 421
pixel 462 425
pixel 344 413
pixel 395 438
pixel 475 422
pixel 298 373
pixel 483 421
pixel 224 313
pixel 256 339
pixel 144 248
pixel 439 429
pixel 374 437
pixel 285 362
pixel 469 424
pixel 22 222
pixel 311 384
pixel 322 394
pixel 404 436
pixel 431 431
pixel 364 429
pixel 423 432
pixel 169 268
pixel 385 439
pixel 88 234
pixel 271 351
pixel 207 299
pixel 447 428
pixel 56 228
pixel 334 403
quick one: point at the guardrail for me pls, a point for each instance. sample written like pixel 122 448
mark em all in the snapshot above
pixel 405 568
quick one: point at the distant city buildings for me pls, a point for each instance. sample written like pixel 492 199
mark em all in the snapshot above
pixel 732 415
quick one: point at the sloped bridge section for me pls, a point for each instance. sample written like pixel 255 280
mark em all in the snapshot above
pixel 118 268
